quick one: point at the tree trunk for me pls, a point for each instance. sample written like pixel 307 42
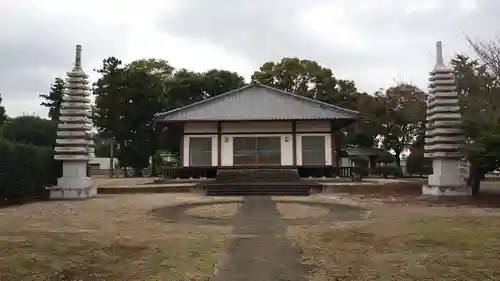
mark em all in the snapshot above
pixel 397 155
pixel 474 180
pixel 153 173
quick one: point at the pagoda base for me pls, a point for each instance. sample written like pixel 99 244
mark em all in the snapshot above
pixel 73 188
pixel 446 191
pixel 446 179
pixel 74 184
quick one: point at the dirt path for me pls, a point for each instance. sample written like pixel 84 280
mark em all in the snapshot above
pixel 260 250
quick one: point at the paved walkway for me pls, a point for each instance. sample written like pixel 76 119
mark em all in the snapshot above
pixel 260 250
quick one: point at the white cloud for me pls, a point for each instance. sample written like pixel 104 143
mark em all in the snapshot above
pixel 371 42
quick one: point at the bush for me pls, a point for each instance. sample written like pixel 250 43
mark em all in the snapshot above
pixel 385 171
pixel 25 170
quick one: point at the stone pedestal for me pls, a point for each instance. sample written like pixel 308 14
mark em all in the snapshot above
pixel 74 184
pixel 446 179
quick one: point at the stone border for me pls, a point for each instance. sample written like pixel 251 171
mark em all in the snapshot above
pixel 336 212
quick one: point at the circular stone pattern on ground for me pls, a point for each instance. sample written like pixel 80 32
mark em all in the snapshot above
pixel 293 210
pixel 222 211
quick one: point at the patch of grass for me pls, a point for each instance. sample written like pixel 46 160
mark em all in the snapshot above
pixel 416 248
pixel 107 239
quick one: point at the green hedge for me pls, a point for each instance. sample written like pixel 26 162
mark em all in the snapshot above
pixel 25 171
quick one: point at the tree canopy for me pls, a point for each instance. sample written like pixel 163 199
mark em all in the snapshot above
pixel 3 113
pixel 30 130
pixel 478 87
pixel 54 98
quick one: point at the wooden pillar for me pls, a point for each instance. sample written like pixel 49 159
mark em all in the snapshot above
pixel 332 143
pixel 219 144
pixel 294 142
pixel 181 150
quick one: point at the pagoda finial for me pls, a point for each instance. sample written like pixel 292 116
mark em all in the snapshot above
pixel 439 54
pixel 78 59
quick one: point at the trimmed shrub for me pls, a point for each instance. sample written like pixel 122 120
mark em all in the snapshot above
pixel 385 171
pixel 25 171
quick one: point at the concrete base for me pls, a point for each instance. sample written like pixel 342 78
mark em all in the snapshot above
pixel 73 188
pixel 446 191
pixel 446 179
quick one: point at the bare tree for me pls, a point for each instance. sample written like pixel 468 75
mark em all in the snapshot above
pixel 488 52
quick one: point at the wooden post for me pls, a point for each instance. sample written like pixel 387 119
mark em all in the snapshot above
pixel 112 157
pixel 219 144
pixel 294 142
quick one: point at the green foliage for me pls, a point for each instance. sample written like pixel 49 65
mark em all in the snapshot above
pixel 127 98
pixel 25 170
pixel 416 164
pixel 54 99
pixel 30 130
pixel 402 117
pixel 479 93
pixel 3 114
pixel 306 78
pixel 386 170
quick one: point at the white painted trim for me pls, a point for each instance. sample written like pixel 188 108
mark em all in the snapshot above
pixel 328 147
pixel 186 148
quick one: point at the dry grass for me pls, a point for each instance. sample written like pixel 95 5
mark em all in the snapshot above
pixel 412 243
pixel 215 211
pixel 108 238
pixel 296 211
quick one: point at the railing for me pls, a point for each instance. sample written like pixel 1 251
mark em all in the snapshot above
pixel 210 172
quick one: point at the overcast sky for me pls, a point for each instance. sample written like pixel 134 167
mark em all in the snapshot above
pixel 374 43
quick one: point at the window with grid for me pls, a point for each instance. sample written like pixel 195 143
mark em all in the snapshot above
pixel 200 151
pixel 313 151
pixel 250 151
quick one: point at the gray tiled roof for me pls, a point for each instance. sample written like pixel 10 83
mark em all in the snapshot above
pixel 257 102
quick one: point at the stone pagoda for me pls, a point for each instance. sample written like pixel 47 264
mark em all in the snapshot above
pixel 73 145
pixel 444 137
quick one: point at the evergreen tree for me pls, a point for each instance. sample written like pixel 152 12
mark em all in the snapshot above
pixel 54 99
pixel 3 114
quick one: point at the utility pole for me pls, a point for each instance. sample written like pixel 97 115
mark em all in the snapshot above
pixel 111 157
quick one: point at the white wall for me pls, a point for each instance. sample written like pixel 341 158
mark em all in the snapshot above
pixel 313 126
pixel 186 148
pixel 200 127
pixel 328 147
pixel 258 127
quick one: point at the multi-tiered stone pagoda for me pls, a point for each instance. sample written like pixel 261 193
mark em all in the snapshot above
pixel 444 137
pixel 73 146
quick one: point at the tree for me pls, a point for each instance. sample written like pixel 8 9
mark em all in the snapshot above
pixel 479 94
pixel 3 114
pixel 404 115
pixel 364 133
pixel 126 100
pixel 106 114
pixel 306 78
pixel 187 87
pixel 30 130
pixel 215 82
pixel 54 99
